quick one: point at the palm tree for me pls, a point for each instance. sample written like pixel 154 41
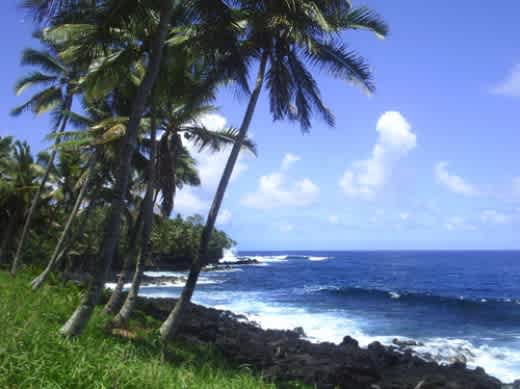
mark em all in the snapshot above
pixel 19 177
pixel 203 15
pixel 58 250
pixel 286 36
pixel 188 84
pixel 59 83
pixel 168 175
pixel 6 188
pixel 176 112
pixel 76 323
pixel 144 248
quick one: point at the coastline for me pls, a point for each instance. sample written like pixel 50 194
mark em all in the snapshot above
pixel 445 350
pixel 288 355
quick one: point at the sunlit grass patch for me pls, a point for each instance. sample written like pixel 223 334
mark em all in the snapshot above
pixel 34 355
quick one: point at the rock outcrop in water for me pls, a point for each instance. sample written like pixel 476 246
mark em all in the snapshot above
pixel 285 355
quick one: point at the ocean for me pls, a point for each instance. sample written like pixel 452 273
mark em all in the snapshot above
pixel 451 302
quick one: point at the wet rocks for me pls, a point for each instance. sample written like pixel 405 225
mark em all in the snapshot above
pixel 162 280
pixel 286 355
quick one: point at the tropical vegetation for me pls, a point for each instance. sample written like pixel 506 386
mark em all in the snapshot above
pixel 126 84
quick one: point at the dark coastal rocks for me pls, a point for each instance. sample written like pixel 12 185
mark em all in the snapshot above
pixel 285 355
pixel 162 280
pixel 168 264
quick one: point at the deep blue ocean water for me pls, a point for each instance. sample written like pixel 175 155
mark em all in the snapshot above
pixel 454 302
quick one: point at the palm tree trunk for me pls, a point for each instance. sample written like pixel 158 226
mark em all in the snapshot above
pixel 36 197
pixel 77 234
pixel 171 325
pixel 6 239
pixel 127 309
pixel 38 281
pixel 77 322
pixel 116 298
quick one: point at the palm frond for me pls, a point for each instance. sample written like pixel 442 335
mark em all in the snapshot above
pixel 341 63
pixel 203 138
pixel 41 102
pixel 363 18
pixel 33 79
pixel 307 95
pixel 44 60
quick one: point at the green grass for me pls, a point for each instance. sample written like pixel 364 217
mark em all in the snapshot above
pixel 34 355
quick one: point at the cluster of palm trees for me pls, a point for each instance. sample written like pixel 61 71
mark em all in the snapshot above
pixel 127 81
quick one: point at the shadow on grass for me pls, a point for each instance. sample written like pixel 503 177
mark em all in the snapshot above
pixel 142 331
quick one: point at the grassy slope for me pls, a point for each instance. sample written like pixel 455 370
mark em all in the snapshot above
pixel 33 355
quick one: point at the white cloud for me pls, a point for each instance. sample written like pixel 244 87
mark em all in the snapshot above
pixel 491 216
pixel 274 191
pixel 224 217
pixel 404 216
pixel 333 219
pixel 286 227
pixel 453 182
pixel 288 160
pixel 367 177
pixel 511 85
pixel 210 166
pixel 187 202
pixel 458 223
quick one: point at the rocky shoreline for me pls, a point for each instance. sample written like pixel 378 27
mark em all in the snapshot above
pixel 185 265
pixel 287 355
pixel 168 280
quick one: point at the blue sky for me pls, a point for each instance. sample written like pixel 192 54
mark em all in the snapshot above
pixel 428 162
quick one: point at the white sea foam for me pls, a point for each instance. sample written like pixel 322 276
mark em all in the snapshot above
pixel 318 258
pixel 318 326
pixel 177 284
pixel 332 326
pixel 229 270
pixel 270 258
pixel 394 295
pixel 164 273
pixel 501 362
pixel 229 257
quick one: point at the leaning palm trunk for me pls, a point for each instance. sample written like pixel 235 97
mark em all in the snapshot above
pixel 38 281
pixel 36 197
pixel 11 224
pixel 170 327
pixel 77 322
pixel 124 314
pixel 63 253
pixel 115 301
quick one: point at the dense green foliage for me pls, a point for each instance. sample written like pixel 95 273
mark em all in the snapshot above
pixel 21 172
pixel 34 356
pixel 139 75
pixel 178 239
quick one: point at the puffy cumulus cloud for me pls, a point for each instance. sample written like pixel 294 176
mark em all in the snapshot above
pixel 210 166
pixel 276 190
pixel 187 202
pixel 511 85
pixel 491 216
pixel 366 178
pixel 224 217
pixel 453 182
pixel 288 160
pixel 458 223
